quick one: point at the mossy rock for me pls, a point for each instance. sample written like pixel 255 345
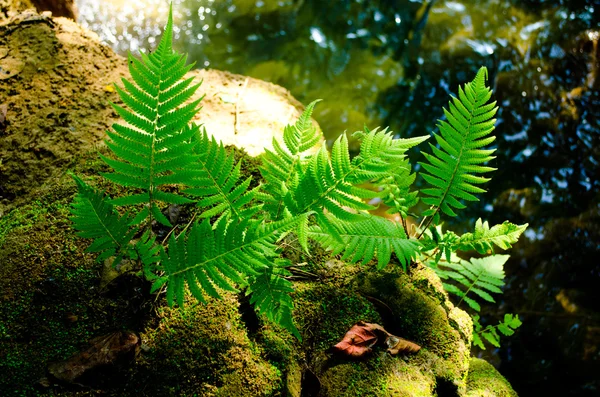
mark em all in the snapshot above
pixel 485 381
pixel 421 312
pixel 204 349
pixel 53 301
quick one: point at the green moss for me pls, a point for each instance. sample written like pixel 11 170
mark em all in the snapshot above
pixel 382 375
pixel 204 348
pixel 485 381
pixel 420 317
pixel 325 312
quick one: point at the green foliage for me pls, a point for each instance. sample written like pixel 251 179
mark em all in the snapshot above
pixel 271 295
pixel 479 276
pixel 328 185
pixel 451 169
pixel 490 333
pixel 232 240
pixel 473 280
pixel 218 184
pixel 368 238
pixel 94 217
pixel 154 149
pixel 484 238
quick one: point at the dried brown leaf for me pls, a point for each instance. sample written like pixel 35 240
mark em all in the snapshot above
pixel 105 349
pixel 398 345
pixel 361 338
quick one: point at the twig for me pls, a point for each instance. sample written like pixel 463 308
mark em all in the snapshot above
pixel 237 100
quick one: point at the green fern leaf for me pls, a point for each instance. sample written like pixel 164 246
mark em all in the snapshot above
pixel 366 239
pixel 452 169
pixel 490 333
pixel 332 183
pixel 270 295
pixel 484 238
pixel 218 185
pixel 206 259
pixel 94 217
pixel 283 167
pixel 479 276
pixel 156 147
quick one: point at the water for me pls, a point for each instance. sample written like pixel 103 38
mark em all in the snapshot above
pixel 395 63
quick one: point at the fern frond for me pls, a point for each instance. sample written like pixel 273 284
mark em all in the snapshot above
pixel 484 238
pixel 396 190
pixel 270 295
pixel 371 237
pixel 490 333
pixel 218 185
pixel 94 217
pixel 208 259
pixel 453 170
pixel 331 183
pixel 156 147
pixel 479 276
pixel 283 167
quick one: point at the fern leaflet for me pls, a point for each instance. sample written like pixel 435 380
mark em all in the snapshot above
pixel 484 238
pixel 218 185
pixel 479 276
pixel 490 333
pixel 283 166
pixel 270 295
pixel 208 259
pixel 368 238
pixel 94 217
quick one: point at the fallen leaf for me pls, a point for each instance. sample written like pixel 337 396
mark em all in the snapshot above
pixel 362 337
pixel 358 341
pixel 397 345
pixel 104 350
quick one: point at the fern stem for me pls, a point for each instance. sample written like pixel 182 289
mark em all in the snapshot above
pixel 428 223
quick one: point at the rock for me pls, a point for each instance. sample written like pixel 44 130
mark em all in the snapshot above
pixel 485 381
pixel 58 88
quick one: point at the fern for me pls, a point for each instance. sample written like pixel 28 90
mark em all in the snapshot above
pixel 490 333
pixel 282 168
pixel 155 148
pixel 306 190
pixel 270 294
pixel 484 238
pixel 371 237
pixel 479 276
pixel 331 184
pixel 94 217
pixel 207 260
pixel 452 169
pixel 218 183
pixel 396 191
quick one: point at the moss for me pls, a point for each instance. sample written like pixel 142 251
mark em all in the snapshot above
pixel 382 375
pixel 485 381
pixel 204 348
pixel 418 315
pixel 325 312
pixel 52 315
